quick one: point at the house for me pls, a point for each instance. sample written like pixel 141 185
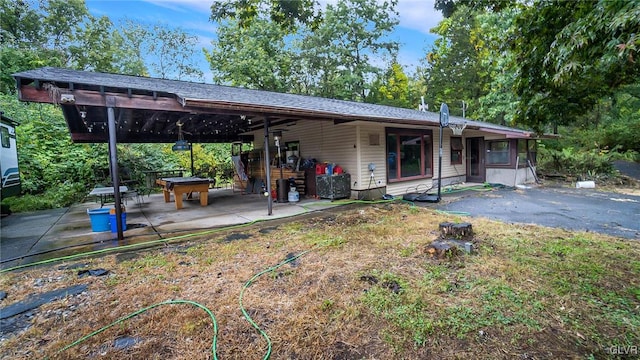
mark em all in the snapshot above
pixel 385 150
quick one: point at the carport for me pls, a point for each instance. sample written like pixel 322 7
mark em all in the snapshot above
pixel 111 108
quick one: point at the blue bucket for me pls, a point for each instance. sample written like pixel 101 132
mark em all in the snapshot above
pixel 99 219
pixel 114 225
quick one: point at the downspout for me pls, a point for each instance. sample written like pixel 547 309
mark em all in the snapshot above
pixel 113 163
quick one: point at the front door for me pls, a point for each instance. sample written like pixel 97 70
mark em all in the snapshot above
pixel 475 160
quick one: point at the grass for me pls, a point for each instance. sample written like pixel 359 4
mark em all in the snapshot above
pixel 367 290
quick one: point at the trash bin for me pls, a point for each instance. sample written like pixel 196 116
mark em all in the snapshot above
pixel 112 220
pixel 99 219
pixel 282 186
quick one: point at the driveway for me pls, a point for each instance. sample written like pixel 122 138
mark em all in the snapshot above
pixel 574 209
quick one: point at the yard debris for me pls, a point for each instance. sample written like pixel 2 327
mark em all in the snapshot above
pixel 36 300
pixel 369 278
pixel 92 272
pixel 125 342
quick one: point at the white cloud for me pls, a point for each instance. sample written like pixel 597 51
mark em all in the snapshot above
pixel 418 15
pixel 203 6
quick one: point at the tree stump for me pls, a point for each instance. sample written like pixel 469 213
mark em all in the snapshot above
pixel 461 231
pixel 442 249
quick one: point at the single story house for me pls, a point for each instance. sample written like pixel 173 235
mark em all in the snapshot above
pixel 385 150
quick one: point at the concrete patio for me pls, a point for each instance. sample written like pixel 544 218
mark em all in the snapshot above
pixel 32 237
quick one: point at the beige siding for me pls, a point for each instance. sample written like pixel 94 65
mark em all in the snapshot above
pixel 320 140
pixel 370 153
pixel 348 145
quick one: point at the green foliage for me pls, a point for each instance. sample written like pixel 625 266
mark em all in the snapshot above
pixel 255 56
pixel 456 72
pixel 585 164
pixel 566 56
pixel 392 88
pixel 288 14
pixel 334 59
pixel 56 196
pixel 338 56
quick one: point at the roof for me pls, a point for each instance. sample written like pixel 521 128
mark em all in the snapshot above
pixel 150 109
pixel 7 120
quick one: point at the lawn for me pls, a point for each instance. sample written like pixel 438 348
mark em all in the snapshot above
pixel 352 284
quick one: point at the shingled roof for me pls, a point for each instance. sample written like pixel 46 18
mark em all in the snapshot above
pixel 212 113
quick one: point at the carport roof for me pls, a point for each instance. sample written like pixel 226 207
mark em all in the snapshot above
pixel 149 109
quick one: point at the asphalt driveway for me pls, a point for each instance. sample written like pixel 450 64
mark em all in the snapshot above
pixel 568 208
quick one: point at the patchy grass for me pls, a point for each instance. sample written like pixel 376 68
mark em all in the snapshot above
pixel 366 290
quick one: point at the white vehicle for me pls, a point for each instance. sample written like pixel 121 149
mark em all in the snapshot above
pixel 9 158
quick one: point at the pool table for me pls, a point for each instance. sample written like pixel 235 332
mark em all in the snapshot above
pixel 184 185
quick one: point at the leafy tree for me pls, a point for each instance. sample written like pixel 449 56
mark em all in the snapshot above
pixel 392 88
pixel 172 53
pixel 97 47
pixel 456 73
pixel 20 24
pixel 63 21
pixel 565 63
pixel 255 56
pixel 499 104
pixel 288 14
pixel 340 53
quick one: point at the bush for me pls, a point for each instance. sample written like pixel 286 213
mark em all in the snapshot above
pixel 584 164
pixel 62 195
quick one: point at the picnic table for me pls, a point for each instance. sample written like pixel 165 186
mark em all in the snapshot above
pixel 184 185
pixel 106 194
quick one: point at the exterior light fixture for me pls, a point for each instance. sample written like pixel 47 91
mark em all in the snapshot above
pixel 181 144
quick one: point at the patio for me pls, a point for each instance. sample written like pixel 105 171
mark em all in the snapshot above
pixel 149 220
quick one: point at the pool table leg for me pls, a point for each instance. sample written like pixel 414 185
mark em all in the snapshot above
pixel 178 196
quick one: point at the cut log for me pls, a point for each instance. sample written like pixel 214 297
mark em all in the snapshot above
pixel 442 249
pixel 461 231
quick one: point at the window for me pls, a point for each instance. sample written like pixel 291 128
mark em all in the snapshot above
pixel 526 151
pixel 409 154
pixel 498 152
pixel 456 150
pixel 4 134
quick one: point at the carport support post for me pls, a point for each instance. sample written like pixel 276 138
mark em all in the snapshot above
pixel 267 166
pixel 113 162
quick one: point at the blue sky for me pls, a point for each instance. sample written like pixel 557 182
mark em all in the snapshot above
pixel 417 17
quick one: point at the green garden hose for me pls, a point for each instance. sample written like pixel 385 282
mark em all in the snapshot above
pixel 143 310
pixel 267 355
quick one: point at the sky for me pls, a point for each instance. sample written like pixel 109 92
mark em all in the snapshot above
pixel 416 18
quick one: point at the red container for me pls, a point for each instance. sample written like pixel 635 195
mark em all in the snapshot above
pixel 321 169
pixel 337 170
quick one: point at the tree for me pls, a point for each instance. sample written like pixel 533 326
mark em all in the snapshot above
pixel 255 56
pixel 570 55
pixel 456 74
pixel 499 104
pixel 96 47
pixel 392 88
pixel 288 14
pixel 172 52
pixel 20 24
pixel 340 53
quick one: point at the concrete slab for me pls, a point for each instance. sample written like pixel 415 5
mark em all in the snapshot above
pixel 55 233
